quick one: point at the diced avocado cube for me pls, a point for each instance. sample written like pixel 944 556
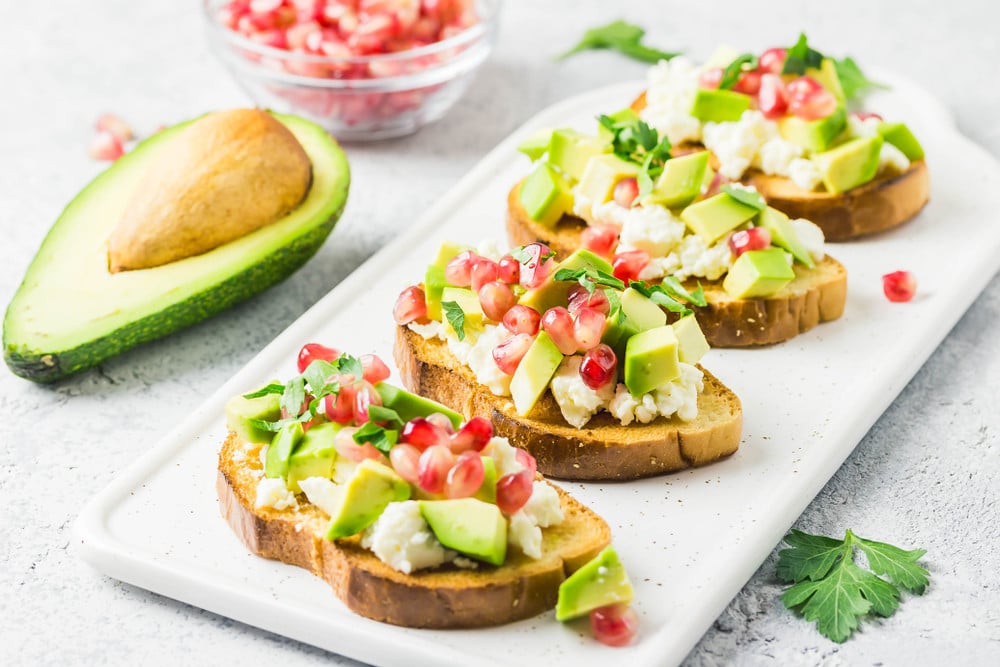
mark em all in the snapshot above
pixel 408 405
pixel 899 135
pixel 651 360
pixel 546 195
pixel 706 181
pixel 713 217
pixel 641 312
pixel 681 180
pixel 826 75
pixel 469 526
pixel 468 301
pixel 241 411
pixel 783 234
pixel 532 376
pixel 691 343
pixel 719 106
pixel 813 135
pixel 368 491
pixel 600 582
pixel 851 164
pixel 279 452
pixel 570 151
pixel 487 491
pixel 758 273
pixel 536 144
pixel 448 251
pixel 434 284
pixel 626 115
pixel 552 292
pixel 601 175
pixel 313 456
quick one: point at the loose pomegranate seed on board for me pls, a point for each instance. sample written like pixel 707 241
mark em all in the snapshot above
pixel 600 239
pixel 599 367
pixel 514 490
pixel 115 126
pixel 614 625
pixel 508 354
pixel 626 191
pixel 105 146
pixel 465 476
pixel 755 238
pixel 411 305
pixel 310 352
pixel 558 324
pixel 522 319
pixel 899 286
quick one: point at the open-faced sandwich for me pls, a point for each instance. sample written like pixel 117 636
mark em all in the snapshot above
pixel 781 121
pixel 569 362
pixel 413 517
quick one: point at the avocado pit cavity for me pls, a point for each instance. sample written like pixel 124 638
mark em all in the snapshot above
pixel 229 174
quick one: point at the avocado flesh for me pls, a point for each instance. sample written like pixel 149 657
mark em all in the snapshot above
pixel 70 313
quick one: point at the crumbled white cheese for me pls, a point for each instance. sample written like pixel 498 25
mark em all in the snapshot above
pixel 892 160
pixel 776 155
pixel 679 396
pixel 670 91
pixel 811 236
pixel 736 143
pixel 582 204
pixel 490 249
pixel 805 173
pixel 504 456
pixel 543 506
pixel 650 228
pixel 263 456
pixel 577 402
pixel 523 533
pixel 272 492
pixel 858 128
pixel 699 259
pixel 476 352
pixel 464 563
pixel 432 329
pixel 660 266
pixel 401 539
pixel 322 493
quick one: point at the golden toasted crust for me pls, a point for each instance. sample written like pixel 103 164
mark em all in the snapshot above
pixel 446 597
pixel 604 449
pixel 883 203
pixel 815 295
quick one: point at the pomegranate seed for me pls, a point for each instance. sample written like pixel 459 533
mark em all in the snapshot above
pixel 474 434
pixel 310 352
pixel 375 369
pixel 772 99
pixel 411 305
pixel 264 6
pixel 404 459
pixel 339 407
pixel 484 271
pixel 433 467
pixel 458 271
pixel 522 319
pixel 808 100
pixel 629 264
pixel 772 61
pixel 442 422
pixel 558 324
pixel 114 126
pixel 626 191
pixel 599 367
pixel 588 328
pixel 580 298
pixel 715 186
pixel 710 78
pixel 755 238
pixel 364 396
pixel 508 354
pixel 509 270
pixel 105 146
pixel 865 115
pixel 527 460
pixel 344 443
pixel 899 286
pixel 600 239
pixel 496 298
pixel 514 490
pixel 465 477
pixel 535 271
pixel 422 433
pixel 614 625
pixel 748 83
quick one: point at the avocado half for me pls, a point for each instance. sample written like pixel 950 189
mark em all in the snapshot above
pixel 70 313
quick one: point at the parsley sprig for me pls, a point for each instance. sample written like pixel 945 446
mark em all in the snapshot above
pixel 671 294
pixel 744 195
pixel 633 140
pixel 834 591
pixel 589 278
pixel 731 74
pixel 852 80
pixel 620 36
pixel 455 316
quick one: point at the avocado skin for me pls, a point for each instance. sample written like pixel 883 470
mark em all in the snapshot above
pixel 47 366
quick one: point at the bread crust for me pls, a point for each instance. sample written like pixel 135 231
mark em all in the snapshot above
pixel 815 295
pixel 604 449
pixel 443 598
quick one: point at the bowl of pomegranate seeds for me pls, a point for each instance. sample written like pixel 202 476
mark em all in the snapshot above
pixel 363 69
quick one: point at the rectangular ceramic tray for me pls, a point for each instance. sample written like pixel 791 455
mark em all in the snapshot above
pixel 690 540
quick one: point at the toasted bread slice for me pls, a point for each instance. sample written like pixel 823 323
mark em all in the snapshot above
pixel 446 597
pixel 604 449
pixel 815 295
pixel 883 203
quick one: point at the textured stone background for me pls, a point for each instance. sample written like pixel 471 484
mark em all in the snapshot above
pixel 928 473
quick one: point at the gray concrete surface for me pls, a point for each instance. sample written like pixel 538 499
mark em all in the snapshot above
pixel 927 474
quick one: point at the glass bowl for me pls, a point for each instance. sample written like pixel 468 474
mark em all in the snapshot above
pixel 358 98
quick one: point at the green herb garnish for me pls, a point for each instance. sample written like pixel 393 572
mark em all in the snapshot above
pixel 455 316
pixel 293 397
pixel 832 590
pixel 273 388
pixel 730 75
pixel 633 140
pixel 801 56
pixel 674 288
pixel 589 278
pixel 387 416
pixel 751 198
pixel 615 311
pixel 380 437
pixel 660 296
pixel 622 37
pixel 852 80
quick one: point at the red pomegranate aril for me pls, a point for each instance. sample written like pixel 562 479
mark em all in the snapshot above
pixel 772 61
pixel 375 370
pixel 629 264
pixel 748 83
pixel 808 100
pixel 600 239
pixel 411 305
pixel 899 286
pixel 534 271
pixel 865 115
pixel 264 6
pixel 508 354
pixel 474 435
pixel 521 319
pixel 496 298
pixel 599 367
pixel 339 407
pixel 364 396
pixel 442 421
pixel 344 443
pixel 558 324
pixel 755 238
pixel 514 490
pixel 433 467
pixel 580 298
pixel 115 126
pixel 465 476
pixel 588 327
pixel 310 352
pixel 458 271
pixel 105 146
pixel 405 459
pixel 710 78
pixel 772 99
pixel 422 433
pixel 509 270
pixel 626 191
pixel 614 625
pixel 526 460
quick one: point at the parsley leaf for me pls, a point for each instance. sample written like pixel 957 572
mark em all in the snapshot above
pixel 633 140
pixel 619 36
pixel 731 74
pixel 381 438
pixel 660 296
pixel 348 365
pixel 316 375
pixel 852 80
pixel 801 56
pixel 380 414
pixel 293 396
pixel 615 306
pixel 273 388
pixel 832 590
pixel 455 316
pixel 590 278
pixel 745 195
pixel 674 288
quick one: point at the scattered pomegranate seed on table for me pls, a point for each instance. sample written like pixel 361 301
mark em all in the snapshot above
pixel 899 286
pixel 105 146
pixel 614 625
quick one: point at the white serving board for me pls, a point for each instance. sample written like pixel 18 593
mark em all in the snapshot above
pixel 690 540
